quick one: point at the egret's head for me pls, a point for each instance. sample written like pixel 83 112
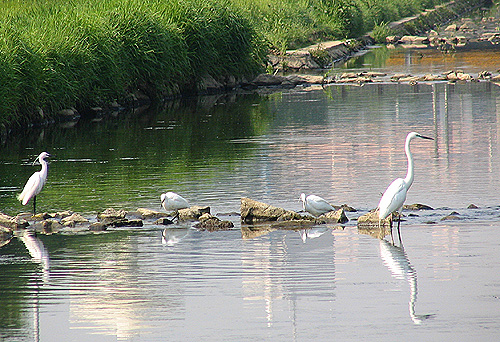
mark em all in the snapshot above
pixel 41 157
pixel 303 197
pixel 412 135
pixel 162 198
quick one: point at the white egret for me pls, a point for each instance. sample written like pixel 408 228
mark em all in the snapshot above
pixel 173 202
pixel 395 196
pixel 315 205
pixel 35 183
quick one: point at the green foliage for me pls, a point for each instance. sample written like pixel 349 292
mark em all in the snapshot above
pixel 380 32
pixel 62 53
pixel 56 54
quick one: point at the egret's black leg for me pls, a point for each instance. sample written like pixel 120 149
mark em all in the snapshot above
pixel 399 231
pixel 34 205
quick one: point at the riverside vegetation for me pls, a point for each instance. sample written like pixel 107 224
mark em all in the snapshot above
pixel 56 54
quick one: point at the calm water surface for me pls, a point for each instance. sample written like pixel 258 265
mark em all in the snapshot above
pixel 343 143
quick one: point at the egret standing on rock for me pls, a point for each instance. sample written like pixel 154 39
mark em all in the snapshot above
pixel 35 182
pixel 315 205
pixel 395 196
pixel 173 202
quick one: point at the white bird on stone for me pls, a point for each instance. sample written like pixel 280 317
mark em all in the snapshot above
pixel 315 205
pixel 35 183
pixel 173 202
pixel 395 196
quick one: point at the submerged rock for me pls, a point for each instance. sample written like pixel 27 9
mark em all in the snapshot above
pixel 117 218
pixel 98 227
pixel 164 221
pixel 73 220
pixel 111 214
pixel 127 223
pixel 13 222
pixel 5 235
pixel 48 226
pixel 452 216
pixel 417 206
pixel 212 223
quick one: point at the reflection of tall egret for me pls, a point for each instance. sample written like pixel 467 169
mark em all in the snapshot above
pixel 395 196
pixel 397 262
pixel 35 183
pixel 315 204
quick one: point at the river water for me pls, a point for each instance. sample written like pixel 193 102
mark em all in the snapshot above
pixel 344 143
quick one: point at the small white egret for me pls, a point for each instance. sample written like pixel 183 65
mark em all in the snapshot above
pixel 395 196
pixel 173 202
pixel 35 183
pixel 315 205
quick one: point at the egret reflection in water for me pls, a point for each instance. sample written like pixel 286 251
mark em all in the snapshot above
pixel 37 251
pixel 172 236
pixel 396 260
pixel 312 233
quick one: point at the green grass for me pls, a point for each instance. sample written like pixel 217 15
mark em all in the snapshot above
pixel 62 53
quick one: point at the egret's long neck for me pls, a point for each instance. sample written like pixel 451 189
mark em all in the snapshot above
pixel 409 175
pixel 44 166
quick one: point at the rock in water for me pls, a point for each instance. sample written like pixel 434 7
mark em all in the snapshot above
pixel 254 211
pixel 337 216
pixel 192 213
pixel 212 223
pixel 5 235
pixel 111 214
pixel 371 220
pixel 12 222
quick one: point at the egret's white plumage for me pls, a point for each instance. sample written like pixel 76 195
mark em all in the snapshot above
pixel 35 183
pixel 395 196
pixel 315 205
pixel 172 201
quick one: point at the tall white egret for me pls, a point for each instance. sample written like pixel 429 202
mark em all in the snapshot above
pixel 35 183
pixel 395 196
pixel 315 205
pixel 173 202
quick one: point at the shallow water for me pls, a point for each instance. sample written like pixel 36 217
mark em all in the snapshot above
pixel 343 143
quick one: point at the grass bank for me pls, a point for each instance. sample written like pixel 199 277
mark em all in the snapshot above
pixel 56 54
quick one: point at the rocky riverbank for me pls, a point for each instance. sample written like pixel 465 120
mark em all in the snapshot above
pixel 443 28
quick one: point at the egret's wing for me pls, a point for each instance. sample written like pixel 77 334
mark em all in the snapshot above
pixel 393 198
pixel 174 201
pixel 320 204
pixel 32 188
